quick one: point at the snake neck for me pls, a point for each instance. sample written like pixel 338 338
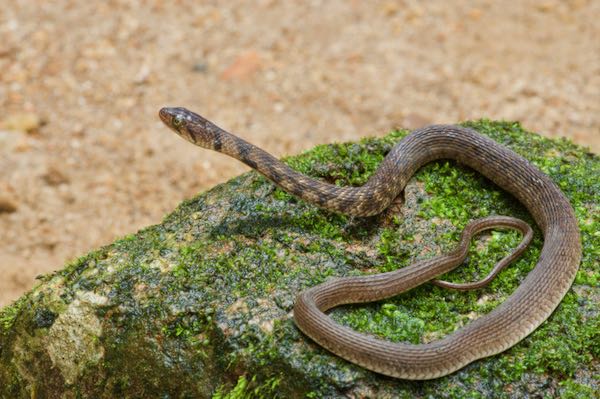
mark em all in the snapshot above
pixel 505 168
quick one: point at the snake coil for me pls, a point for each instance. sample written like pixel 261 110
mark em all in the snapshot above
pixel 528 307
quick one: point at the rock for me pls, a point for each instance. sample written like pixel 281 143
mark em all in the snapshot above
pixel 28 122
pixel 200 67
pixel 243 67
pixel 7 205
pixel 54 176
pixel 390 8
pixel 547 7
pixel 143 75
pixel 201 304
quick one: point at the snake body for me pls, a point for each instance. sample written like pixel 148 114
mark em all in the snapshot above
pixel 529 306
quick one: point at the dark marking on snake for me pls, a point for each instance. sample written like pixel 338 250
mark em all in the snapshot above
pixel 218 145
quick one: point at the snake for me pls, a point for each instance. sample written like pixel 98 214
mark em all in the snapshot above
pixel 531 303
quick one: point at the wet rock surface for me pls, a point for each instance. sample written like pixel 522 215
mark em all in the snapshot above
pixel 201 304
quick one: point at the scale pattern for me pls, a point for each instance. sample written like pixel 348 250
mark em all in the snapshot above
pixel 529 306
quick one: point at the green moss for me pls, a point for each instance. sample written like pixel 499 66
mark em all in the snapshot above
pixel 9 314
pixel 191 307
pixel 573 390
pixel 245 389
pixel 9 376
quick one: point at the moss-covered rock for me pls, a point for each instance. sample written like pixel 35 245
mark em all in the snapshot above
pixel 201 305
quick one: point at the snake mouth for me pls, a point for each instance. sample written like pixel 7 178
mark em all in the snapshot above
pixel 165 115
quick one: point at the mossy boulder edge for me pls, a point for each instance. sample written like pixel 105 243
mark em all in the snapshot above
pixel 201 304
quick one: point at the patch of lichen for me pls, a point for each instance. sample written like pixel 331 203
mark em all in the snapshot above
pixel 193 306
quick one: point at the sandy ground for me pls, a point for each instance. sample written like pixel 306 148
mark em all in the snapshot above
pixel 84 158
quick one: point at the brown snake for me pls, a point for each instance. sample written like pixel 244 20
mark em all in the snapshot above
pixel 531 303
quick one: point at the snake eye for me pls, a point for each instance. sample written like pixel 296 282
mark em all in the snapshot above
pixel 177 121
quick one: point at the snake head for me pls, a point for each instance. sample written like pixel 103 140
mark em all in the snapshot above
pixel 178 119
pixel 189 125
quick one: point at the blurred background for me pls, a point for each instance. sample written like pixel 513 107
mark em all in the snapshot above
pixel 84 158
